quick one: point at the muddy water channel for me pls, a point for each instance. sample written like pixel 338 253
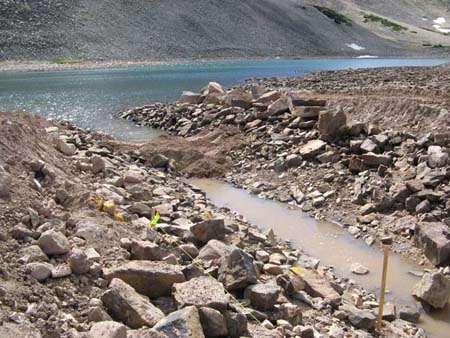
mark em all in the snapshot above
pixel 330 243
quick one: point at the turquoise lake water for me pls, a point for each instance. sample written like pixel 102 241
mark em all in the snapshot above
pixel 89 97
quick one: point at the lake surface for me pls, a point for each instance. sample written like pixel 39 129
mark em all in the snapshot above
pixel 89 97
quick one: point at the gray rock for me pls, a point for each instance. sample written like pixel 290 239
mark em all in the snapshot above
pixel 141 209
pixel 201 291
pixel 65 148
pixel 331 124
pixel 108 329
pixel 183 323
pixel 146 251
pixel 213 322
pixel 5 184
pixel 293 161
pixel 145 333
pixel 214 250
pixel 433 289
pixel 159 161
pixel 153 279
pixel 359 269
pixel 97 314
pixel 315 285
pixel 126 305
pixel 190 97
pixel 375 160
pixel 40 271
pixel 423 207
pixel 409 313
pixel 54 243
pixel 434 240
pixel 437 157
pixel 98 164
pixel 237 270
pixel 368 146
pixel 236 324
pixel 33 253
pixel 262 296
pixel 312 148
pixel 361 319
pixel 78 262
pixel 208 230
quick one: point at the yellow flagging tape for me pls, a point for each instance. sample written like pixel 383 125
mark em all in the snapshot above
pixel 178 245
pixel 109 207
pixel 297 270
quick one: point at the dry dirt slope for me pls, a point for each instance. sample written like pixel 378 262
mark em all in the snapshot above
pixel 149 29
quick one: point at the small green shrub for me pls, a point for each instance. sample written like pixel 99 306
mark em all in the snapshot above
pixel 385 22
pixel 333 15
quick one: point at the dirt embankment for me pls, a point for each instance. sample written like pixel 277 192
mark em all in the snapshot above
pixel 383 169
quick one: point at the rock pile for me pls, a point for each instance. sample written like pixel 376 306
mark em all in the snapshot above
pixel 69 269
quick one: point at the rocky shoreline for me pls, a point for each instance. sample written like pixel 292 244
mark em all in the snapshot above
pixel 70 269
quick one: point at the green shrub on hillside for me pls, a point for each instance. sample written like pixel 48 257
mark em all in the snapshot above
pixel 332 14
pixel 374 18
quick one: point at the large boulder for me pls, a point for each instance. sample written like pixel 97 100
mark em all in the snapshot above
pixel 213 322
pixel 54 243
pixel 126 305
pixel 209 229
pixel 262 296
pixel 433 289
pixel 184 323
pixel 237 270
pixel 153 279
pixel 332 124
pixel 434 239
pixel 108 329
pixel 238 98
pixel 201 291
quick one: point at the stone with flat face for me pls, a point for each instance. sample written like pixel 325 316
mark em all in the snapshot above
pixel 184 323
pixel 201 291
pixel 434 239
pixel 153 279
pixel 125 304
pixel 433 289
pixel 312 148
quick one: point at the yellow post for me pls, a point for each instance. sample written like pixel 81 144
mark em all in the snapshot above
pixel 386 242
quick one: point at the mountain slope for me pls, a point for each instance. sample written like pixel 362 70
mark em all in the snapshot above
pixel 179 29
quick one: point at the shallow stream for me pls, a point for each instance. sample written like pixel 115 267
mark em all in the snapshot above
pixel 333 245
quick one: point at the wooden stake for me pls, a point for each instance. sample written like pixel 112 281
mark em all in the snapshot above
pixel 386 242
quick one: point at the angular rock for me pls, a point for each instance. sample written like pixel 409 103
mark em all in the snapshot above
pixel 208 230
pixel 331 124
pixel 293 161
pixel 375 160
pixel 237 270
pixel 433 289
pixel 317 286
pixel 40 271
pixel 312 148
pixel 146 251
pixel 434 239
pixel 108 329
pixel 213 323
pixel 368 146
pixel 53 243
pixel 126 305
pixel 437 158
pixel 201 291
pixel 98 164
pixel 361 319
pixel 159 161
pixel 262 296
pixel 280 106
pixel 33 253
pixel 183 323
pixel 145 333
pixel 214 250
pixel 153 279
pixel 410 314
pixel 78 262
pixel 190 97
pixel 236 324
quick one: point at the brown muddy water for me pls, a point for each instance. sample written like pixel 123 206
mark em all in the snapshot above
pixel 330 243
